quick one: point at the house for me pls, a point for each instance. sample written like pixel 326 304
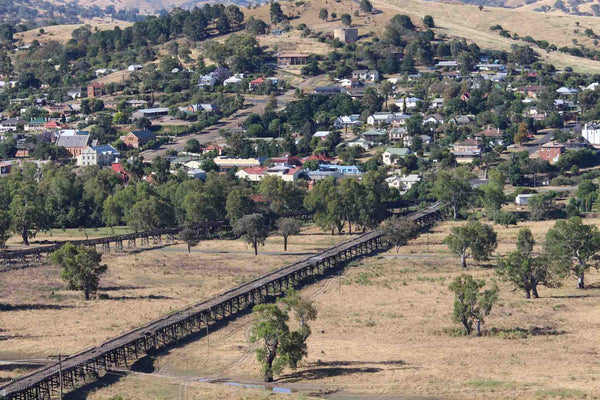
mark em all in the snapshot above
pixel 321 134
pixel 136 103
pixel 230 162
pixel 9 125
pixel 346 35
pixel 101 156
pixel 255 84
pixel 490 67
pixel 366 75
pixel 36 124
pixel 523 199
pixel 467 150
pixel 347 121
pixel 399 119
pixel 494 136
pixel 551 151
pixel 150 113
pixel 73 141
pixel 355 92
pixel 374 135
pixel 360 142
pixel 192 108
pixel 208 80
pixel 328 90
pixel 256 174
pixel 74 93
pixel 435 119
pixel 592 86
pixel 283 161
pixel 323 174
pixel 118 168
pixel 567 91
pixel 591 133
pixel 390 154
pixel 403 183
pixel 438 102
pixel 460 120
pixel 95 90
pixel 134 67
pixel 320 158
pixel 196 173
pixel 350 83
pixel 397 134
pixel 51 125
pixel 447 64
pixel 232 80
pixel 216 148
pixel 406 103
pixel 137 139
pixel 292 59
pixel 342 169
pixel 380 118
pixel 5 167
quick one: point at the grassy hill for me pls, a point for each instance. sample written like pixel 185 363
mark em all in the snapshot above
pixel 62 33
pixel 452 20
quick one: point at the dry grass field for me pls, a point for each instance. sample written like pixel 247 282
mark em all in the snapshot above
pixel 143 387
pixel 384 327
pixel 39 318
pixel 62 33
pixel 468 22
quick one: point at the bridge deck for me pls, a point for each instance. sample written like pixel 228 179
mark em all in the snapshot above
pixel 88 357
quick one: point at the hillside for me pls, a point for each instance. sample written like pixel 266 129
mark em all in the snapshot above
pixel 62 33
pixel 452 20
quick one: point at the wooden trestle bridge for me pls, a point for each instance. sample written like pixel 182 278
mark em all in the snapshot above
pixel 118 242
pixel 122 350
pixel 130 240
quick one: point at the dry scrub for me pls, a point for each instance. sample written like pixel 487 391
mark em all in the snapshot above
pixel 385 328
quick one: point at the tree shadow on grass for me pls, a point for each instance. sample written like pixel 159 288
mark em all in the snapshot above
pixel 149 297
pixel 320 373
pixel 27 307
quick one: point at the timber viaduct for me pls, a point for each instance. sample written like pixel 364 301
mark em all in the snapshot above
pixel 121 350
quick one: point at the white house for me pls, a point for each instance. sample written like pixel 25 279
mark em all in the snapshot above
pixel 360 142
pixel 321 134
pixel 391 153
pixel 403 183
pixel 435 119
pixel 592 86
pixel 9 125
pixel 380 118
pixel 134 67
pixel 347 121
pixel 232 80
pixel 406 103
pixel 591 133
pixel 256 174
pixel 567 91
pixel 207 80
pixel 397 134
pixel 438 102
pixel 196 173
pixel 366 75
pixel 523 199
pixel 74 93
pixel 101 156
